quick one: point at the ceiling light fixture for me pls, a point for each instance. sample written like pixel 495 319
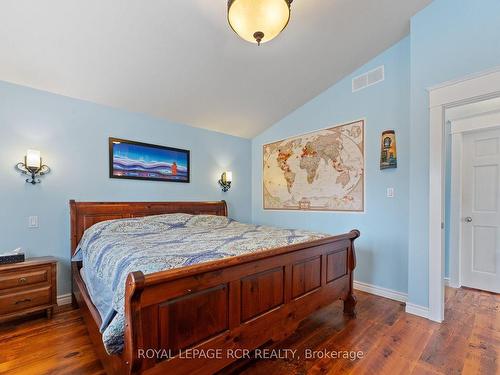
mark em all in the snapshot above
pixel 258 21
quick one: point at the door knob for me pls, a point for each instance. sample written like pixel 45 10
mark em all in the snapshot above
pixel 468 219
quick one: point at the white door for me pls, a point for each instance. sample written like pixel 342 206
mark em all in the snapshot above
pixel 480 254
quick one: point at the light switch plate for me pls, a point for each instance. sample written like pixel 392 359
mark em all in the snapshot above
pixel 33 222
pixel 390 192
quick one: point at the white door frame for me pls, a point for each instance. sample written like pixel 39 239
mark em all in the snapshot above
pixel 473 88
pixel 458 127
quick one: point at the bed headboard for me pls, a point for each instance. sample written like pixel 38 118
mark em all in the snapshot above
pixel 85 214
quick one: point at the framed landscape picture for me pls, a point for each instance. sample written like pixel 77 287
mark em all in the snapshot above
pixel 144 161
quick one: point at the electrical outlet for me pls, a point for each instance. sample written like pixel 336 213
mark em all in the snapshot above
pixel 33 222
pixel 390 192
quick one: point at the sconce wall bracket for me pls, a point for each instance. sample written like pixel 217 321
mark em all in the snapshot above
pixel 225 185
pixel 225 180
pixel 33 172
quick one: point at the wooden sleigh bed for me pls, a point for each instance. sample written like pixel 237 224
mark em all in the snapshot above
pixel 235 303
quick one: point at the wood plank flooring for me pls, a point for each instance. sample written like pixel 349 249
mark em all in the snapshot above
pixel 392 342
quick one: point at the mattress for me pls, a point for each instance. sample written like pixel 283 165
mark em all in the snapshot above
pixel 110 250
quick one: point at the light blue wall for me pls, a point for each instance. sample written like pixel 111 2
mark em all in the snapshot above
pixel 449 39
pixel 73 138
pixel 383 247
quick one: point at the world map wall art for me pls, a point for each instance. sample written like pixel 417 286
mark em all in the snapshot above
pixel 322 171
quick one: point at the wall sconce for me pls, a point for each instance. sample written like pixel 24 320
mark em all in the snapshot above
pixel 33 166
pixel 225 180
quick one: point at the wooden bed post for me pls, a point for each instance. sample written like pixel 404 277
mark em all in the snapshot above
pixel 350 300
pixel 133 328
pixel 224 208
pixel 73 215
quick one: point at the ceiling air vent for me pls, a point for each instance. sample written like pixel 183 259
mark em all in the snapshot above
pixel 367 79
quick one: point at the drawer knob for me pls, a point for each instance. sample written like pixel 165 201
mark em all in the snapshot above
pixel 23 301
pixel 22 280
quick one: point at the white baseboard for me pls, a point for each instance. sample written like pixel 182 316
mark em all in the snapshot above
pixel 449 283
pixel 411 308
pixel 64 299
pixel 379 291
pixel 418 310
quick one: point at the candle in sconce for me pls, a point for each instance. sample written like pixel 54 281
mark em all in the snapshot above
pixel 33 159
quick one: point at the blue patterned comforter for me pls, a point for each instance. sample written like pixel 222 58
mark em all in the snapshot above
pixel 110 250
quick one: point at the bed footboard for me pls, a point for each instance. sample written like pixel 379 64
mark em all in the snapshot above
pixel 198 319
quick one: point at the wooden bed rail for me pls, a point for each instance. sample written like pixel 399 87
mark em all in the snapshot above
pixel 235 303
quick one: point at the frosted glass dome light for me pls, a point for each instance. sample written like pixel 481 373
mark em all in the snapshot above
pixel 258 21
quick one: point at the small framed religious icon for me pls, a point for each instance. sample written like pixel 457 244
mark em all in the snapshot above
pixel 388 156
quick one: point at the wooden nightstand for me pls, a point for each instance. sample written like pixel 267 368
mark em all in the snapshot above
pixel 28 287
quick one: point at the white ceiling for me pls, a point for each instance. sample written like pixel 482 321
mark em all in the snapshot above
pixel 179 60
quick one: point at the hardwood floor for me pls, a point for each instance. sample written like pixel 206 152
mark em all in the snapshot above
pixel 392 341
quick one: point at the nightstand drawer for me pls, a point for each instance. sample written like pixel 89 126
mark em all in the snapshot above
pixel 28 287
pixel 16 279
pixel 13 302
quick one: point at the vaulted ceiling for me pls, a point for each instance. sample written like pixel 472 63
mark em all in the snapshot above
pixel 179 60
